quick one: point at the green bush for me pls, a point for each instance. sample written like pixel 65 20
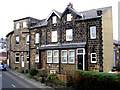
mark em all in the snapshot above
pixel 29 76
pixel 33 71
pixel 52 77
pixel 93 80
pixel 42 73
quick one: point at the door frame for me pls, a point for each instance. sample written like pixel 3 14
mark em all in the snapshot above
pixel 83 57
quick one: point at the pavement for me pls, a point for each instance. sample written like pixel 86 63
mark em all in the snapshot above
pixel 14 79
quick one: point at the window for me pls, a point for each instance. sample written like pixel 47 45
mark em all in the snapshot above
pixel 93 58
pixel 64 56
pixel 37 38
pixel 69 17
pixel 17 25
pixel 54 36
pixel 27 58
pixel 55 56
pixel 24 24
pixel 69 35
pixel 17 40
pixel 17 58
pixel 71 56
pixel 27 39
pixel 54 19
pixel 37 58
pixel 93 32
pixel 49 56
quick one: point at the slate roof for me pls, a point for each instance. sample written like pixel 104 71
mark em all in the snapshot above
pixel 93 13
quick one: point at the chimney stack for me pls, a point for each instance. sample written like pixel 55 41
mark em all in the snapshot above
pixel 70 5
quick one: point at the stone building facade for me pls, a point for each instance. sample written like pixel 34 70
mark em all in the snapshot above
pixel 72 40
pixel 18 43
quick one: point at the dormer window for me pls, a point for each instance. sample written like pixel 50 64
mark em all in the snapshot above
pixel 17 39
pixel 17 25
pixel 24 24
pixel 69 17
pixel 54 19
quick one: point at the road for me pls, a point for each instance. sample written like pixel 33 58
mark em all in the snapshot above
pixel 13 80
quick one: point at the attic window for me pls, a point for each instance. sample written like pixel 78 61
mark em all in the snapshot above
pixel 69 17
pixel 54 19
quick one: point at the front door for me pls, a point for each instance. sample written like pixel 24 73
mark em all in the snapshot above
pixel 43 60
pixel 80 62
pixel 22 61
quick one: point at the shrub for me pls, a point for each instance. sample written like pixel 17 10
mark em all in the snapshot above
pixel 29 76
pixel 93 80
pixel 52 77
pixel 42 73
pixel 33 71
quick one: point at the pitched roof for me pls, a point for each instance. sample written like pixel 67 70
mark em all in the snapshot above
pixel 40 24
pixel 72 10
pixel 10 33
pixel 54 11
pixel 93 13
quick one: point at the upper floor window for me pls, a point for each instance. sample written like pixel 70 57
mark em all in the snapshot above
pixel 27 39
pixel 54 19
pixel 17 25
pixel 93 32
pixel 69 17
pixel 54 36
pixel 37 58
pixel 24 24
pixel 69 35
pixel 71 56
pixel 17 40
pixel 93 57
pixel 55 56
pixel 17 58
pixel 37 38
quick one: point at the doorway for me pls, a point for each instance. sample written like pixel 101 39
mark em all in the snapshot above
pixel 81 58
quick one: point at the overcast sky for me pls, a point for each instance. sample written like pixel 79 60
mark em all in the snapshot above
pixel 15 9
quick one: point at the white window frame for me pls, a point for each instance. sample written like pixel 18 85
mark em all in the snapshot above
pixel 91 32
pixel 37 55
pixel 49 56
pixel 17 37
pixel 71 57
pixel 24 24
pixel 37 38
pixel 93 57
pixel 17 25
pixel 63 56
pixel 52 71
pixel 54 19
pixel 56 56
pixel 67 35
pixel 54 36
pixel 27 57
pixel 69 17
pixel 27 39
pixel 18 57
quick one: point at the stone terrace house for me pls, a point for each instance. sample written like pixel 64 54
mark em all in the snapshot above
pixel 67 41
pixel 18 43
pixel 73 40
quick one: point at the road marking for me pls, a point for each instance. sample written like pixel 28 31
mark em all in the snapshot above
pixel 13 85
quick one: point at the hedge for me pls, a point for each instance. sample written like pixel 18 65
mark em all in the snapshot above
pixel 93 80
